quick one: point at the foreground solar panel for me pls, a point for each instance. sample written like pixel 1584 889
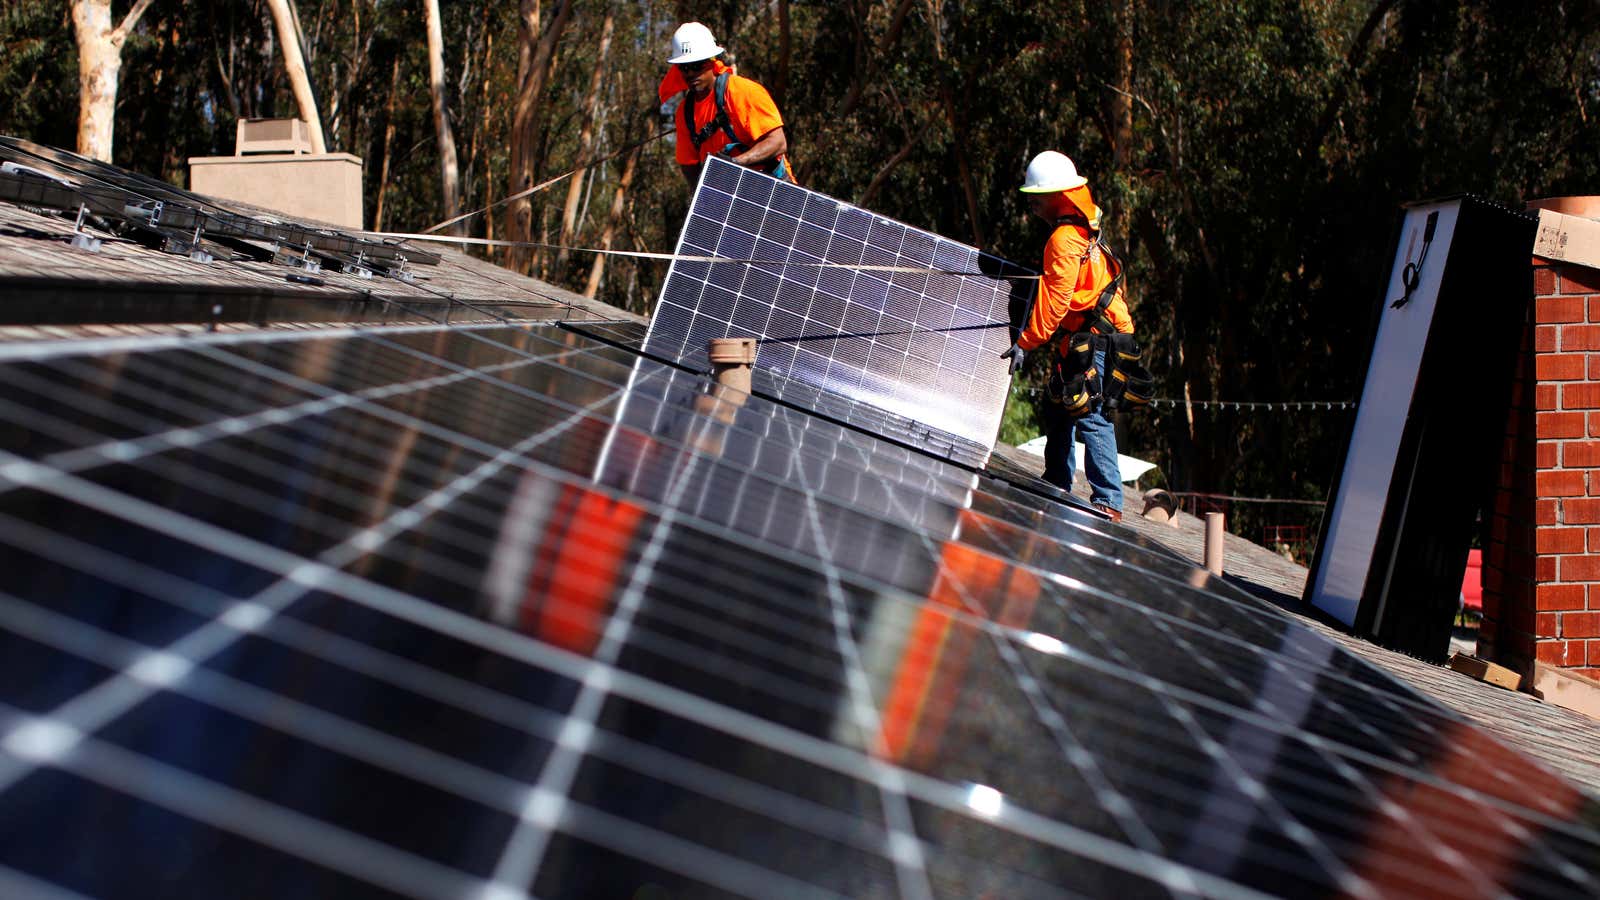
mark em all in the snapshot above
pixel 920 346
pixel 495 611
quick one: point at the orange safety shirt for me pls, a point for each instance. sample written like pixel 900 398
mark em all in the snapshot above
pixel 751 114
pixel 1075 272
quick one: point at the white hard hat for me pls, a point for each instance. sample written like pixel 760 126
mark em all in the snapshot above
pixel 1050 172
pixel 693 42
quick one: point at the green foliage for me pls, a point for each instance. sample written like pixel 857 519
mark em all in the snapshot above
pixel 1021 420
pixel 1252 155
pixel 38 72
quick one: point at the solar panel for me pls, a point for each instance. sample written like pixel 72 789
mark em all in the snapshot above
pixel 56 179
pixel 500 611
pixel 919 345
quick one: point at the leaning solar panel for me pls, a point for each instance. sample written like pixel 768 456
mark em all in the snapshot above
pixel 919 345
pixel 503 612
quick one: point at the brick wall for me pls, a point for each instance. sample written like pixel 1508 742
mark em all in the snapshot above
pixel 1541 572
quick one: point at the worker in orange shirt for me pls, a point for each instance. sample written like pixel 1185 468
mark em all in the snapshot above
pixel 1081 299
pixel 722 114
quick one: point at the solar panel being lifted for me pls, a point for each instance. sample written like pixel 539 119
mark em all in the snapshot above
pixel 920 345
pixel 502 611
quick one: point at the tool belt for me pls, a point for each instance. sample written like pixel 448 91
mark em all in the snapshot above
pixel 1078 386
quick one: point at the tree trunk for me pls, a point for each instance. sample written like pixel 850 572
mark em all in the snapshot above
pixel 591 103
pixel 388 143
pixel 780 82
pixel 619 201
pixel 1122 98
pixel 449 171
pixel 295 64
pixel 534 59
pixel 99 70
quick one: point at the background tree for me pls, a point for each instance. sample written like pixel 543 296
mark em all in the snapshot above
pixel 294 65
pixel 449 168
pixel 99 71
pixel 1252 156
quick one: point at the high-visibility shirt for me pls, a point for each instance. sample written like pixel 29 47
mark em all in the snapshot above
pixel 1075 272
pixel 751 114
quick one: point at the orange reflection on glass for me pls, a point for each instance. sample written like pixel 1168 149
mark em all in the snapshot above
pixel 930 672
pixel 579 562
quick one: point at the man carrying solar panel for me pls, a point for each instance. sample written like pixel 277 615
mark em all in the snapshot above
pixel 1080 299
pixel 722 114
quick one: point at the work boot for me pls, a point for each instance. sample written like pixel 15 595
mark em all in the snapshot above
pixel 1115 514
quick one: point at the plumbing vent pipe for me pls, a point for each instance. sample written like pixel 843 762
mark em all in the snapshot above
pixel 731 359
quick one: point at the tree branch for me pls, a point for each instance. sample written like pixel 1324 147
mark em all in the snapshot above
pixel 130 20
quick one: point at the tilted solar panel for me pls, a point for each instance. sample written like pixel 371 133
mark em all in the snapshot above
pixel 918 345
pixel 498 611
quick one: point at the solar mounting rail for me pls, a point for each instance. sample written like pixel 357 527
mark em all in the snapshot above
pixel 63 181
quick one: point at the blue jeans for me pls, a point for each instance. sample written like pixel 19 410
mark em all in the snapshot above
pixel 1099 449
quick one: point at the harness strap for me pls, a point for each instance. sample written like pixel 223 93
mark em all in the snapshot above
pixel 1096 321
pixel 719 94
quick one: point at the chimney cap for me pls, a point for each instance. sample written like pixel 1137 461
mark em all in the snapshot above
pixel 1581 206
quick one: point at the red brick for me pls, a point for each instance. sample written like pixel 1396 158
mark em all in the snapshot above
pixel 1594 540
pixel 1580 454
pixel 1560 367
pixel 1579 624
pixel 1579 568
pixel 1594 656
pixel 1578 280
pixel 1559 596
pixel 1594 424
pixel 1594 596
pixel 1578 337
pixel 1594 366
pixel 1554 425
pixel 1579 512
pixel 1522 618
pixel 1589 672
pixel 1544 569
pixel 1548 624
pixel 1546 456
pixel 1519 542
pixel 1545 337
pixel 1517 644
pixel 1562 653
pixel 1545 512
pixel 1550 310
pixel 1580 396
pixel 1559 540
pixel 1544 397
pixel 1560 484
pixel 1544 280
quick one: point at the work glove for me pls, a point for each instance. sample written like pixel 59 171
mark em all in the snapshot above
pixel 1016 354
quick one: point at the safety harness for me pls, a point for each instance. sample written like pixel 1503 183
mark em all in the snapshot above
pixel 1075 383
pixel 721 122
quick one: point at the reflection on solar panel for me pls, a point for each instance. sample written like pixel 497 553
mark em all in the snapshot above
pixel 921 347
pixel 486 611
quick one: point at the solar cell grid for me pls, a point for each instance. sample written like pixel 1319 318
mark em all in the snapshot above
pixel 874 337
pixel 519 618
